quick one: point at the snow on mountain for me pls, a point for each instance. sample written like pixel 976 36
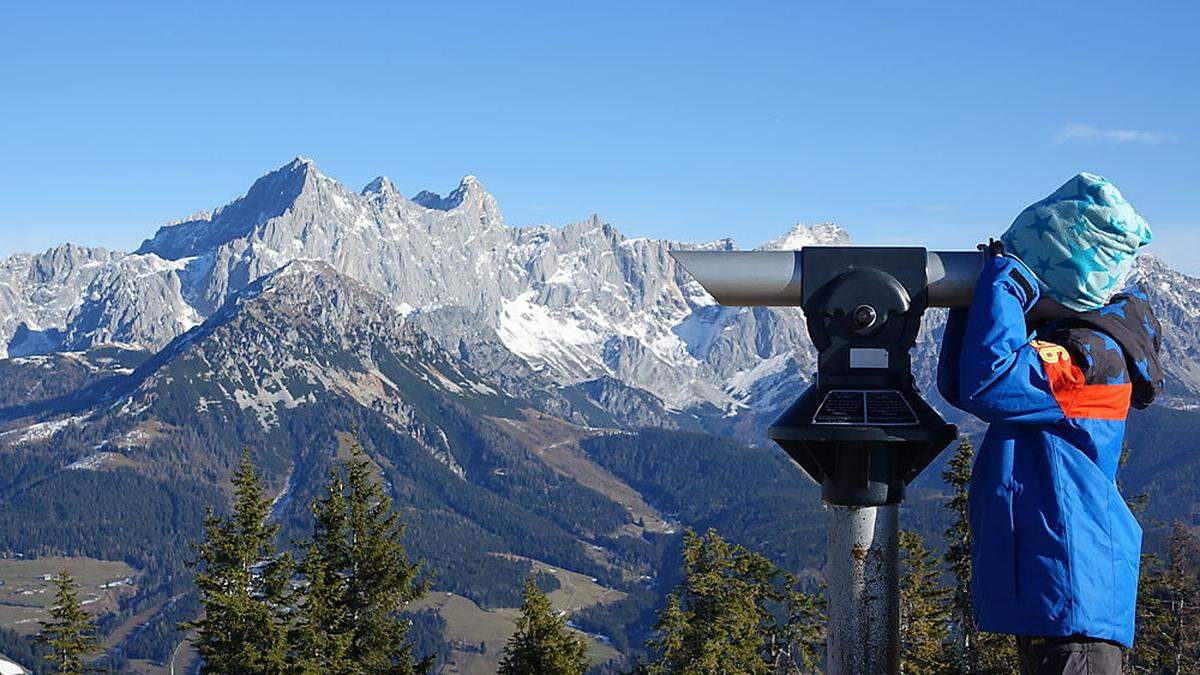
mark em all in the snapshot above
pixel 302 332
pixel 1175 298
pixel 567 306
pixel 821 234
pixel 575 303
pixel 71 297
pixel 300 335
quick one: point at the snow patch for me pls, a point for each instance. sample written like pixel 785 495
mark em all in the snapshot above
pixel 821 234
pixel 743 381
pixel 530 331
pixel 43 430
pixel 94 462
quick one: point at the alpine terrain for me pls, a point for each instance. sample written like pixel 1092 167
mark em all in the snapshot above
pixel 557 401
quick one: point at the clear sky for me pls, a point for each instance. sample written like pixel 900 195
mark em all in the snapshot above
pixel 929 124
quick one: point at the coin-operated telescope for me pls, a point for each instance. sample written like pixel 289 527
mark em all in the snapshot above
pixel 861 430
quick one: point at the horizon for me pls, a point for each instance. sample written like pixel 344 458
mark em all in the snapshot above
pixel 411 194
pixel 688 125
pixel 441 192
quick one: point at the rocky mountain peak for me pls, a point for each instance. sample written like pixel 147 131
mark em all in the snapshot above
pixel 382 186
pixel 269 197
pixel 294 176
pixel 801 235
pixel 63 259
pixel 306 281
pixel 283 185
pixel 1147 263
pixel 469 191
pixel 563 305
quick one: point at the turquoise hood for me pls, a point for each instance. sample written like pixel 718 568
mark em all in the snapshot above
pixel 1080 241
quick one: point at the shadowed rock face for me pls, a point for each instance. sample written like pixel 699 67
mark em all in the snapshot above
pixel 526 306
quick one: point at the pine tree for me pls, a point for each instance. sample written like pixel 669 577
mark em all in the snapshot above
pixel 243 584
pixel 973 651
pixel 924 609
pixel 958 552
pixel 1151 639
pixel 1183 569
pixel 320 642
pixel 542 644
pixel 1168 638
pixel 322 633
pixel 795 645
pixel 725 615
pixel 70 634
pixel 1151 617
pixel 358 578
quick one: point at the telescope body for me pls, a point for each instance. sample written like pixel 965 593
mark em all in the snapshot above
pixel 861 430
pixel 773 278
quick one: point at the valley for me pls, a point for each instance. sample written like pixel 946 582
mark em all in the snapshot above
pixel 554 402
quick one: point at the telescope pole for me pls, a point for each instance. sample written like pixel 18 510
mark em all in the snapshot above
pixel 862 577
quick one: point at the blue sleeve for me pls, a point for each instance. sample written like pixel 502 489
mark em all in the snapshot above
pixel 1001 377
pixel 951 354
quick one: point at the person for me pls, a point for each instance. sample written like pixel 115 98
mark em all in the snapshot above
pixel 1052 361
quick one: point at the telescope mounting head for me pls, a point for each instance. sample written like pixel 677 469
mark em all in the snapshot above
pixel 862 430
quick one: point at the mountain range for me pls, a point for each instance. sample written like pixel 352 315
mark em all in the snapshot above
pixel 534 397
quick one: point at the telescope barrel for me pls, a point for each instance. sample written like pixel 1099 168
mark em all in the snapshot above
pixel 772 278
pixel 951 276
pixel 746 278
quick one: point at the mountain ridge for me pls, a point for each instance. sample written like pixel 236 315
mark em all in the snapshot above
pixel 529 396
pixel 564 305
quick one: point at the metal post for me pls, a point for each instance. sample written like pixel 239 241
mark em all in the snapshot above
pixel 862 578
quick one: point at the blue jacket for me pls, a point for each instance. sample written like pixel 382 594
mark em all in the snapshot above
pixel 1055 549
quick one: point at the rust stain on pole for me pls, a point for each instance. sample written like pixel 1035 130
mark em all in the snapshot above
pixel 861 575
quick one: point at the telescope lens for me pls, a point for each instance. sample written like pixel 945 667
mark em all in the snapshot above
pixel 864 317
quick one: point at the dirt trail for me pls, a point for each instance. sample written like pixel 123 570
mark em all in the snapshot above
pixel 557 444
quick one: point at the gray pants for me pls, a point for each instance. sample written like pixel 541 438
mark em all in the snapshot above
pixel 1074 655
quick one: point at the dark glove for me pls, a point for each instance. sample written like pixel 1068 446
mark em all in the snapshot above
pixel 993 249
pixel 1013 268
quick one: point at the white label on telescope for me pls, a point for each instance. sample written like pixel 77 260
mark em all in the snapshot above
pixel 868 358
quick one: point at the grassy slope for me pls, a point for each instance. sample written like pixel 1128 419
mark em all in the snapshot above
pixel 468 625
pixel 25 596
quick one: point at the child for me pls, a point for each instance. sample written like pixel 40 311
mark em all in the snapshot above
pixel 1055 549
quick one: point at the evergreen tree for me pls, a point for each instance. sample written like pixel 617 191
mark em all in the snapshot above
pixel 973 651
pixel 796 644
pixel 70 633
pixel 734 612
pixel 1183 585
pixel 1151 639
pixel 542 644
pixel 958 553
pixel 1150 615
pixel 243 584
pixel 358 579
pixel 1168 638
pixel 323 631
pixel 320 639
pixel 924 609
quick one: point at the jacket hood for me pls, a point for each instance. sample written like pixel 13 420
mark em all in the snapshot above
pixel 1080 241
pixel 1129 320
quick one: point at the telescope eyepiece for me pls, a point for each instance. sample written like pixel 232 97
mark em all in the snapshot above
pixel 864 317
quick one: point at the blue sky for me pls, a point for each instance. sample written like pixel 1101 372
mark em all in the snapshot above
pixel 929 124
